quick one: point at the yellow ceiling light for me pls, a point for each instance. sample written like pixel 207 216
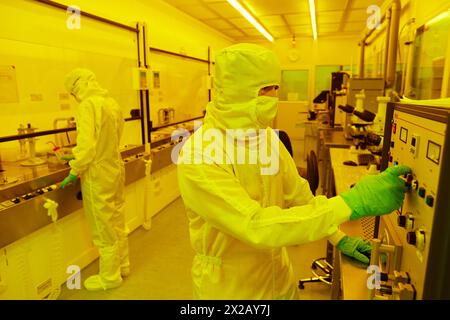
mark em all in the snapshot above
pixel 440 17
pixel 312 11
pixel 250 19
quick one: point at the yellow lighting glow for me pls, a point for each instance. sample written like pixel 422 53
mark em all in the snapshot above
pixel 312 11
pixel 443 15
pixel 250 19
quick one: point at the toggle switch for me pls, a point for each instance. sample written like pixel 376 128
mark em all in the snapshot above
pixel 416 238
pixel 406 221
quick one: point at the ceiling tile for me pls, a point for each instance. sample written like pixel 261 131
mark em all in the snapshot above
pixel 354 26
pixel 178 3
pixel 272 21
pixel 266 8
pixel 252 32
pixel 218 23
pixel 364 4
pixel 357 15
pixel 329 17
pixel 280 32
pixel 199 11
pixel 327 27
pixel 327 5
pixel 242 23
pixel 298 19
pixel 302 30
pixel 233 33
pixel 224 9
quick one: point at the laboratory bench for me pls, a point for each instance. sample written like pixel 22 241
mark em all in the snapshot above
pixel 22 202
pixel 349 276
pixel 22 199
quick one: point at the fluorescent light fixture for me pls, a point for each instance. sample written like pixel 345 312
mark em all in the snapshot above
pixel 250 19
pixel 312 11
pixel 443 15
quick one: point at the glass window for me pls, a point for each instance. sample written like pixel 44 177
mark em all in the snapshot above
pixel 294 85
pixel 430 57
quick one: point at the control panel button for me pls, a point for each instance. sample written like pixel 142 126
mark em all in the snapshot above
pixel 421 192
pixel 401 221
pixel 411 238
pixel 429 201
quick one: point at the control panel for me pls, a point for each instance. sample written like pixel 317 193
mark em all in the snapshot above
pixel 417 138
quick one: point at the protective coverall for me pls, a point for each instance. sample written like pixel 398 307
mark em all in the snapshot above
pixel 99 164
pixel 241 220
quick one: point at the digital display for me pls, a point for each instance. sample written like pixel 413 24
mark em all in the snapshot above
pixel 434 152
pixel 404 135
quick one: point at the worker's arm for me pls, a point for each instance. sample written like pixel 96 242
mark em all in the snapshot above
pixel 85 150
pixel 214 193
pixel 297 191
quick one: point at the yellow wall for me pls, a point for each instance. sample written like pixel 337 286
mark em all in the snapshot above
pixel 324 51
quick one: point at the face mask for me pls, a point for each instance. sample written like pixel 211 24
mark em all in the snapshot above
pixel 266 109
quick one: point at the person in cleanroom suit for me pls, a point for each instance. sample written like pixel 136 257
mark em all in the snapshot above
pixel 98 163
pixel 241 219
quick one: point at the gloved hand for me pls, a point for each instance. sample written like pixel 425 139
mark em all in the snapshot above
pixel 68 157
pixel 377 195
pixel 70 179
pixel 356 248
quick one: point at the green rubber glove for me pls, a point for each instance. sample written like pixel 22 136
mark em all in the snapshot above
pixel 70 179
pixel 355 248
pixel 377 195
pixel 68 157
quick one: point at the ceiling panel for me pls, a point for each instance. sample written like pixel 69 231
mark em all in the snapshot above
pixel 224 9
pixel 272 21
pixel 327 28
pixel 233 33
pixel 280 32
pixel 199 11
pixel 177 3
pixel 302 30
pixel 357 15
pixel 251 32
pixel 364 4
pixel 329 17
pixel 267 8
pixel 218 23
pixel 354 26
pixel 327 5
pixel 298 19
pixel 279 17
pixel 242 23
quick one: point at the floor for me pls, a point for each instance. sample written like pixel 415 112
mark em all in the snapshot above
pixel 161 262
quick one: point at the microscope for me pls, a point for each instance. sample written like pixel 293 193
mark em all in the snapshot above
pixel 365 129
